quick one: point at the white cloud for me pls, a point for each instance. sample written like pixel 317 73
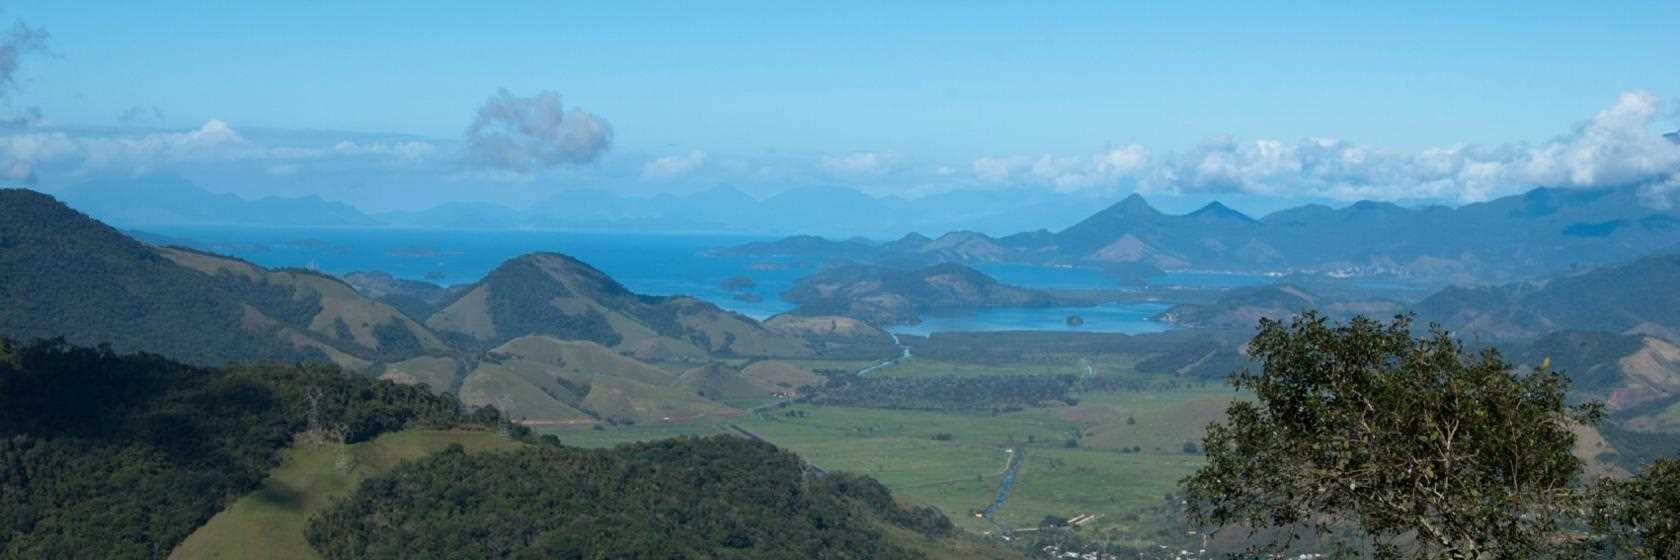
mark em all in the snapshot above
pixel 672 167
pixel 411 150
pixel 1107 169
pixel 864 164
pixel 1615 148
pixel 23 154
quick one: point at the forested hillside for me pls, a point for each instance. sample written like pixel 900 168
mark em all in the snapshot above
pixel 1641 295
pixel 63 274
pixel 718 497
pixel 122 456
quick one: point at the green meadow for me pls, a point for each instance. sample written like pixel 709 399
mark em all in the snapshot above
pixel 1079 459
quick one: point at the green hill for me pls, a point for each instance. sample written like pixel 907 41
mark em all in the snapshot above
pixel 543 380
pixel 885 295
pixel 63 274
pixel 554 295
pixel 723 383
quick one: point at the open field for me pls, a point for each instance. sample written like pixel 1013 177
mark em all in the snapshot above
pixel 954 460
pixel 924 367
pixel 270 522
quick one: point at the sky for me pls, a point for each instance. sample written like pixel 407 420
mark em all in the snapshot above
pixel 398 105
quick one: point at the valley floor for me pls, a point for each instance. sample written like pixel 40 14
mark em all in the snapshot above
pixel 1079 459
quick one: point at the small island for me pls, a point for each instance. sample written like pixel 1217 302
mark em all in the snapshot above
pixel 882 295
pixel 737 284
pixel 1075 320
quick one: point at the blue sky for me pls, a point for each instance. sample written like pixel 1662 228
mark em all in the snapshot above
pixel 926 90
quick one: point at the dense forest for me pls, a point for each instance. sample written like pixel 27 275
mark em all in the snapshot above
pixel 64 274
pixel 122 456
pixel 717 497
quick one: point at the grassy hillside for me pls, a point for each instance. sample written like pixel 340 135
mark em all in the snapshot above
pixel 358 330
pixel 722 383
pixel 270 522
pixel 543 380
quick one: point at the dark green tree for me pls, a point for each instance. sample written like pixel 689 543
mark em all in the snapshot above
pixel 1378 443
pixel 1640 517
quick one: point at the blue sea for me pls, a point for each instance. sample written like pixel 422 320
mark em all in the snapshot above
pixel 658 264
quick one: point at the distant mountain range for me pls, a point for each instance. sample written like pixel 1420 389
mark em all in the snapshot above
pixel 166 200
pixel 823 210
pixel 1541 232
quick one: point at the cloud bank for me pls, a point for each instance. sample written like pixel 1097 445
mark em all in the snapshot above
pixel 536 141
pixel 84 154
pixel 531 134
pixel 1615 148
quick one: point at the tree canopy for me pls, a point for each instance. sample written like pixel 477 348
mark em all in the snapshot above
pixel 1382 443
pixel 716 497
pixel 122 456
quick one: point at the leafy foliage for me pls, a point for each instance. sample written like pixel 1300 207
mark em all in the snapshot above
pixel 1427 450
pixel 1640 517
pixel 111 456
pixel 684 498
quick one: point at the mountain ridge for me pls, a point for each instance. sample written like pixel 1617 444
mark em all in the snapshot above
pixel 1540 232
